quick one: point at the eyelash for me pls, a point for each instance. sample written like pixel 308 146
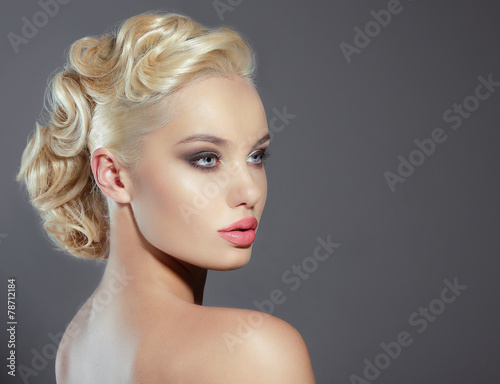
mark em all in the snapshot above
pixel 264 153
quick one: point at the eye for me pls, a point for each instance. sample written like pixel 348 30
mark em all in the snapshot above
pixel 259 157
pixel 205 160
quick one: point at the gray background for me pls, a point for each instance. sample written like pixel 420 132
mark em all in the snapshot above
pixel 325 176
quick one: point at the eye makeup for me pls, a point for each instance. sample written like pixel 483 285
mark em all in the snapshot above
pixel 208 160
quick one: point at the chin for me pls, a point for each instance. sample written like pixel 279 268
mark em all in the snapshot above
pixel 235 260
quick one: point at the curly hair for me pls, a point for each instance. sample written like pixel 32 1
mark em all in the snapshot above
pixel 110 93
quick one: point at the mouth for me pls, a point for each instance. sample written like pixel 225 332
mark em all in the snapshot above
pixel 242 225
pixel 240 233
pixel 239 237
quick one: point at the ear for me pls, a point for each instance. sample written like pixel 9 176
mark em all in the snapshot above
pixel 111 177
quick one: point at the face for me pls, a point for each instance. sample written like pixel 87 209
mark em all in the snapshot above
pixel 202 172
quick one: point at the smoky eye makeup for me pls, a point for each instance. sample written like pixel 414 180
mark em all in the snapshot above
pixel 209 160
pixel 206 160
pixel 262 153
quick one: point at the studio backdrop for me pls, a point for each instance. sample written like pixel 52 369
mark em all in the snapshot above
pixel 380 237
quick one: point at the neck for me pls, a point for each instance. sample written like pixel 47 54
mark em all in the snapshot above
pixel 148 267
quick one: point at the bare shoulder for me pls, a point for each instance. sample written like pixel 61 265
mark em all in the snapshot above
pixel 226 345
pixel 269 348
pixel 72 335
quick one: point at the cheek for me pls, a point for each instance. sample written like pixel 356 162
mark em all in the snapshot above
pixel 262 185
pixel 173 209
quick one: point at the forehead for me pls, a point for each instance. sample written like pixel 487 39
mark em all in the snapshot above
pixel 226 107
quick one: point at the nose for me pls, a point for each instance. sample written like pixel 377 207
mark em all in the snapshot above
pixel 246 186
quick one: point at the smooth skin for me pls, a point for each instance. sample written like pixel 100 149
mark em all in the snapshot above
pixel 145 322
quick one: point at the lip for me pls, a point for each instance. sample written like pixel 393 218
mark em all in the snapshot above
pixel 241 232
pixel 245 223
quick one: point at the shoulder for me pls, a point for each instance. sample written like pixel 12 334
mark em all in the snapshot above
pixel 271 349
pixel 72 336
pixel 226 345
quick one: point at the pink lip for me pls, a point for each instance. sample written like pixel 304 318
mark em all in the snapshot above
pixel 241 232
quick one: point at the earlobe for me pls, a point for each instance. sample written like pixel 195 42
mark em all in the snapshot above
pixel 110 176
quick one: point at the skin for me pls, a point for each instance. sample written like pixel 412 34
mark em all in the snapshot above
pixel 145 322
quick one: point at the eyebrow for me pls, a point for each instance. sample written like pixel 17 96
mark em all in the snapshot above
pixel 218 140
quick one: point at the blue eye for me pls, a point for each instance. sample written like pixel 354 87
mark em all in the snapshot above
pixel 259 157
pixel 205 160
pixel 208 161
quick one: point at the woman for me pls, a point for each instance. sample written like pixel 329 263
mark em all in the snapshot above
pixel 153 161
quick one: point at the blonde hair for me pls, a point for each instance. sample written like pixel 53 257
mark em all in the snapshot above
pixel 109 94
